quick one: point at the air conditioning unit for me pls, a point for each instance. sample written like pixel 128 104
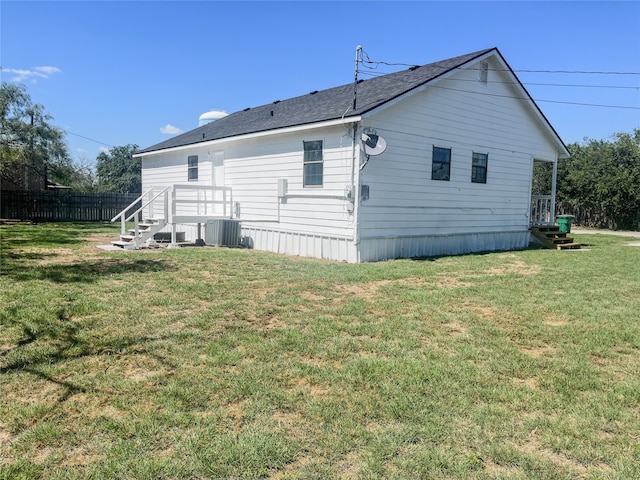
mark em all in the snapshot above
pixel 222 233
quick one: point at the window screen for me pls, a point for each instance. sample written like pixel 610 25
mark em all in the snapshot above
pixel 313 163
pixel 479 167
pixel 192 162
pixel 441 164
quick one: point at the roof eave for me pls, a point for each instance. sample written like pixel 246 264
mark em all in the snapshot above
pixel 257 134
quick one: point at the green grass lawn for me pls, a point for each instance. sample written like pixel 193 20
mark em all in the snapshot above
pixel 233 363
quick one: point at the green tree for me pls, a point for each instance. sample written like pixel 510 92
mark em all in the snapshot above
pixel 600 183
pixel 77 174
pixel 30 146
pixel 118 171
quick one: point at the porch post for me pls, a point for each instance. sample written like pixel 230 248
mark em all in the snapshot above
pixel 552 214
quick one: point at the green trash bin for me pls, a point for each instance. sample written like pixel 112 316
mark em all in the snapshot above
pixel 564 222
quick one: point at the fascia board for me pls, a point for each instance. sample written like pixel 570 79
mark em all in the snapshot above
pixel 247 136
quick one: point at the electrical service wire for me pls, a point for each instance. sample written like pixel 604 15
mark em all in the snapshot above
pixel 524 98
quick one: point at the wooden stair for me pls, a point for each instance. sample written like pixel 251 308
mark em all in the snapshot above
pixel 551 237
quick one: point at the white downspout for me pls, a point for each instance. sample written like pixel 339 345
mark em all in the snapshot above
pixel 355 181
pixel 552 214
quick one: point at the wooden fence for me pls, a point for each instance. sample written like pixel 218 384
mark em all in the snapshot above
pixel 63 205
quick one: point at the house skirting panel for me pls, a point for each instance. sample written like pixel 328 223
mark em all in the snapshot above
pixel 380 248
pixel 300 244
pixel 385 248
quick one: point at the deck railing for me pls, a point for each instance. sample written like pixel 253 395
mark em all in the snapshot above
pixel 541 213
pixel 179 204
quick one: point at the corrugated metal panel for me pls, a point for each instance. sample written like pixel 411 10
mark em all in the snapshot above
pixel 377 249
pixel 300 244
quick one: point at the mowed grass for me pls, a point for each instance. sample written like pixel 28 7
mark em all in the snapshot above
pixel 233 363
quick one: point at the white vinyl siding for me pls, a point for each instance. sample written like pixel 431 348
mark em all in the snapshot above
pixel 253 168
pixel 458 113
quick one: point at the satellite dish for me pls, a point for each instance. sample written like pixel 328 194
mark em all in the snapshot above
pixel 372 143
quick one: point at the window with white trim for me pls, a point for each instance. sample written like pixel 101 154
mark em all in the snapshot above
pixel 441 164
pixel 192 168
pixel 479 167
pixel 313 163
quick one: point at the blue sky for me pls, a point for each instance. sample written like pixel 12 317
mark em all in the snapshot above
pixel 125 72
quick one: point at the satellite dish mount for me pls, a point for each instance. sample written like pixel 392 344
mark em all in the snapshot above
pixel 372 143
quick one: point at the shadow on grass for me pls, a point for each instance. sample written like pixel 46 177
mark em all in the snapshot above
pixel 53 342
pixel 52 234
pixel 81 272
pixel 435 258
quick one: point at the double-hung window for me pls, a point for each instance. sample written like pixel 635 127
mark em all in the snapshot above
pixel 313 163
pixel 479 167
pixel 441 164
pixel 192 168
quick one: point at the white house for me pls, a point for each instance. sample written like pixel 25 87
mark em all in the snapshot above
pixel 461 135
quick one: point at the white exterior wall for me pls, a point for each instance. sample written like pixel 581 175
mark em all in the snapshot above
pixel 308 221
pixel 408 214
pixel 166 168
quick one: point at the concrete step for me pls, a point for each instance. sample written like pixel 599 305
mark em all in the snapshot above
pixel 121 243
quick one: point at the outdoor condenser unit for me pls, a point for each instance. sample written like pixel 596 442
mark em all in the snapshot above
pixel 222 232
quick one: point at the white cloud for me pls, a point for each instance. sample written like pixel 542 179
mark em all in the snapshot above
pixel 104 150
pixel 33 74
pixel 169 129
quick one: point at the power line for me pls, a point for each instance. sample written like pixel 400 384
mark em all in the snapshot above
pixel 583 72
pixel 538 100
pixel 86 138
pixel 516 98
pixel 576 85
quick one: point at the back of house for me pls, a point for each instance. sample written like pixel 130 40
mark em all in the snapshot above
pixel 302 176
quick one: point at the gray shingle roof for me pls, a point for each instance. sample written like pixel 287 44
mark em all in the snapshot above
pixel 323 105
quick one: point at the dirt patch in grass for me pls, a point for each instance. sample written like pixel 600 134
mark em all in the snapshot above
pixel 504 471
pixel 447 281
pixel 556 322
pixel 299 385
pixel 455 329
pixel 6 439
pixel 533 447
pixel 235 410
pixel 320 362
pixel 481 311
pixel 530 382
pixel 312 297
pixel 92 406
pixel 367 291
pixel 515 265
pixel 80 456
pixel 538 352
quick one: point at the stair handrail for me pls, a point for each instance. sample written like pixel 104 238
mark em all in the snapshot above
pixel 148 202
pixel 121 215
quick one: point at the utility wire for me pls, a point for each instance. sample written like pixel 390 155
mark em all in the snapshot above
pixel 584 72
pixel 517 98
pixel 86 138
pixel 537 100
pixel 579 85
